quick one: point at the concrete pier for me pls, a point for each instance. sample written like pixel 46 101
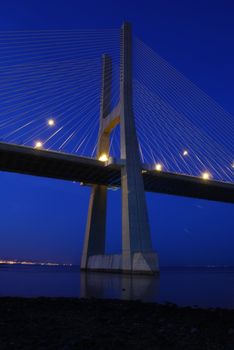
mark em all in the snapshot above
pixel 95 235
pixel 137 255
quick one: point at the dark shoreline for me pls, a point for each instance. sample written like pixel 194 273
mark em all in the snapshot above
pixel 72 323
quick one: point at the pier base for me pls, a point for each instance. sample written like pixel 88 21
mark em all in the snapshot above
pixel 142 263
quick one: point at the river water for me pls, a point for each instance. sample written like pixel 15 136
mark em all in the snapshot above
pixel 204 287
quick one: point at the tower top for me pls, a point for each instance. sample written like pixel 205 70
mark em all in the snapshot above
pixel 126 25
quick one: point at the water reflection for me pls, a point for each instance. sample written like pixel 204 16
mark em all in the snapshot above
pixel 128 287
pixel 206 287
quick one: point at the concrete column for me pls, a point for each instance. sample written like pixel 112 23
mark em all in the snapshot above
pixel 95 234
pixel 137 251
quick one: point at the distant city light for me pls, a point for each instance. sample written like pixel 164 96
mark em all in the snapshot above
pixel 206 175
pixel 38 144
pixel 51 122
pixel 158 167
pixel 17 262
pixel 185 152
pixel 103 158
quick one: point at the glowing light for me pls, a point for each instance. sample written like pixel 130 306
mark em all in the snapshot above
pixel 103 158
pixel 185 153
pixel 206 175
pixel 38 144
pixel 158 167
pixel 233 165
pixel 51 122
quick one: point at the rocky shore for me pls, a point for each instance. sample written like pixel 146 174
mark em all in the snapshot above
pixel 63 323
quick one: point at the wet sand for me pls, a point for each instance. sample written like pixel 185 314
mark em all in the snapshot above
pixel 72 323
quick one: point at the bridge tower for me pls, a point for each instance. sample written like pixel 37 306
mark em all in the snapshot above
pixel 137 252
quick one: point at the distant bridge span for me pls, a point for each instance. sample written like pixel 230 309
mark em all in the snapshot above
pixel 51 164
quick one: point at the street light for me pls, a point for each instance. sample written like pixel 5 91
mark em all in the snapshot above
pixel 206 176
pixel 38 144
pixel 103 157
pixel 158 167
pixel 51 122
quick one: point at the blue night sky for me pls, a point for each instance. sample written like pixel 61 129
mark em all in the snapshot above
pixel 43 219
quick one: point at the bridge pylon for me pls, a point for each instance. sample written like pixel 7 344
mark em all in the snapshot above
pixel 137 255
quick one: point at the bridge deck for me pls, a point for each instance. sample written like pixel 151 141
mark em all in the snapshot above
pixel 26 160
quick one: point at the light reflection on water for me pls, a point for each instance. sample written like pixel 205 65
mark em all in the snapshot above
pixel 213 287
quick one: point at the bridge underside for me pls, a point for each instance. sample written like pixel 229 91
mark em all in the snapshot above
pixel 26 160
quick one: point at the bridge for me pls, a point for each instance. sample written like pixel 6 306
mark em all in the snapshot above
pixel 126 169
pixel 90 171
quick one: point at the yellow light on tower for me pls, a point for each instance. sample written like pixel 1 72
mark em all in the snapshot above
pixel 185 153
pixel 38 144
pixel 206 176
pixel 51 122
pixel 103 157
pixel 158 167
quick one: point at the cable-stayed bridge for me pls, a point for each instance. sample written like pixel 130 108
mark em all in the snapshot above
pixel 151 130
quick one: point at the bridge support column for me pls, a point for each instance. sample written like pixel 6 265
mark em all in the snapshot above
pixel 137 252
pixel 95 235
